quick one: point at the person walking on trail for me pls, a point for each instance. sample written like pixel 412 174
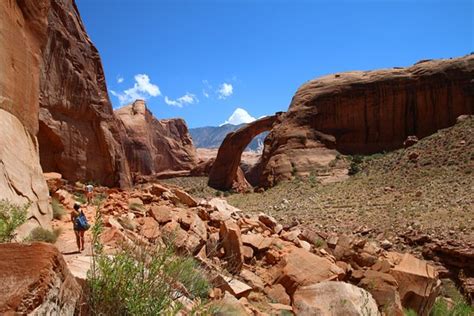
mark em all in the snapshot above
pixel 89 193
pixel 80 225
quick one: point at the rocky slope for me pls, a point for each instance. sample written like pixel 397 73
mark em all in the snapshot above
pixel 365 112
pixel 155 146
pixel 23 29
pixel 78 134
pixel 212 136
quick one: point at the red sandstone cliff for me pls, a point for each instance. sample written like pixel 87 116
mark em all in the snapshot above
pixel 78 133
pixel 23 26
pixel 154 146
pixel 366 112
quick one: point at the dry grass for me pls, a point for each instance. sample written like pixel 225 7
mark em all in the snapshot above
pixel 388 196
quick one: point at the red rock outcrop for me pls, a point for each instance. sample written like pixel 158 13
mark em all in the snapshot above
pixel 224 171
pixel 23 26
pixel 365 112
pixel 155 146
pixel 35 280
pixel 79 136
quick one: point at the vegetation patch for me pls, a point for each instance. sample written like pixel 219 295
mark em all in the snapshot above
pixel 11 217
pixel 44 235
pixel 58 209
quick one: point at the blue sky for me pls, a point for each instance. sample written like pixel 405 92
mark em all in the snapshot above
pixel 201 60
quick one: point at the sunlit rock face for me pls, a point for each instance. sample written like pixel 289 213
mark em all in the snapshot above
pixel 366 112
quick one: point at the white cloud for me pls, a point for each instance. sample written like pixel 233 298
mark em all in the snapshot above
pixel 142 89
pixel 188 98
pixel 225 90
pixel 238 117
pixel 206 89
pixel 119 79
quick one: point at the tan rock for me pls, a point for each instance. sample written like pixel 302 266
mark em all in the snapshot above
pixel 384 289
pixel 161 213
pixel 184 197
pixel 36 279
pixel 268 220
pixel 333 298
pixel 301 267
pixel 277 293
pixel 150 228
pixel 418 283
pixel 232 242
pixel 252 279
pixel 248 253
pixel 224 209
pixel 232 285
pixel 257 241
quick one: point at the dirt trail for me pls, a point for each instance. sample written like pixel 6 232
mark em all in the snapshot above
pixel 78 262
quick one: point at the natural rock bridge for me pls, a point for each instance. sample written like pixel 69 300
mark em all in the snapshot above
pixel 226 165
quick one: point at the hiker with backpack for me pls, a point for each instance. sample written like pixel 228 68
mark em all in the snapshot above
pixel 80 223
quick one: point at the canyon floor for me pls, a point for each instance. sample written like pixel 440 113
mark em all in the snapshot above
pixel 427 188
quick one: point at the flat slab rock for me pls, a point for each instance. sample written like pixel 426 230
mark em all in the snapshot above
pixel 35 279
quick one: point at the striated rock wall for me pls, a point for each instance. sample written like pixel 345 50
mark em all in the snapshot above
pixel 23 26
pixel 154 146
pixel 366 112
pixel 78 134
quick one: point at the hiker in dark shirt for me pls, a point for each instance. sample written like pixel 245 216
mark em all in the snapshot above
pixel 79 230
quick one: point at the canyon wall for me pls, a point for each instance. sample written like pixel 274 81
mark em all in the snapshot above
pixel 155 146
pixel 364 112
pixel 79 136
pixel 23 26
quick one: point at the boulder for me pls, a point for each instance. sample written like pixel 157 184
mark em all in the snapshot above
pixel 224 210
pixel 150 228
pixel 155 146
pixel 300 268
pixel 53 180
pixel 277 293
pixel 257 241
pixel 384 289
pixel 36 280
pixel 232 242
pixel 232 285
pixel 418 284
pixel 161 213
pixel 184 197
pixel 333 298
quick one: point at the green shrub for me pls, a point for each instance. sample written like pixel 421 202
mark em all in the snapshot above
pixel 141 279
pixel 356 161
pixel 58 209
pixel 460 308
pixel 45 235
pixel 11 217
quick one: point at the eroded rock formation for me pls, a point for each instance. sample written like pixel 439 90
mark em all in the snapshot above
pixel 225 169
pixel 155 146
pixel 35 280
pixel 23 26
pixel 79 136
pixel 366 112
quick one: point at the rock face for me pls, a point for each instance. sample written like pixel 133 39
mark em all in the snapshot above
pixel 153 146
pixel 23 26
pixel 366 112
pixel 225 167
pixel 36 280
pixel 78 134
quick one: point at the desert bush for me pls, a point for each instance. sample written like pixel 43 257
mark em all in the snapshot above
pixel 80 197
pixel 11 217
pixel 58 209
pixel 45 235
pixel 460 308
pixel 141 279
pixel 356 161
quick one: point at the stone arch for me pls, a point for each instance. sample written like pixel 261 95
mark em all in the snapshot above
pixel 226 166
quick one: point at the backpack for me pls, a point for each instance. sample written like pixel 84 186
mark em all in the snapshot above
pixel 81 222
